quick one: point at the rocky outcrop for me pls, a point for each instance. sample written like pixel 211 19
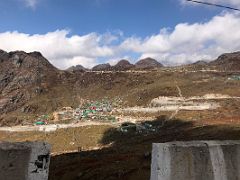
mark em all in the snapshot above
pixel 77 68
pixel 148 63
pixel 102 67
pixel 200 63
pixel 3 56
pixel 228 61
pixel 30 85
pixel 22 75
pixel 123 65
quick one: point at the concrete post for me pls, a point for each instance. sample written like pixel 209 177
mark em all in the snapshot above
pixel 24 161
pixel 196 160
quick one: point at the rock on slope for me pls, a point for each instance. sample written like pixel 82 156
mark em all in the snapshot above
pixel 77 68
pixel 148 63
pixel 30 85
pixel 228 61
pixel 123 65
pixel 20 75
pixel 200 63
pixel 102 67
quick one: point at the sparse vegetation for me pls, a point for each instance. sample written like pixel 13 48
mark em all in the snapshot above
pixel 84 150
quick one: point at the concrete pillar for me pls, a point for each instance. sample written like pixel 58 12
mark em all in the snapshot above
pixel 196 160
pixel 24 161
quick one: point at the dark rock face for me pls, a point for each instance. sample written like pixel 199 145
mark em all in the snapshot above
pixel 228 61
pixel 35 54
pixel 148 63
pixel 123 65
pixel 29 83
pixel 19 78
pixel 77 68
pixel 3 56
pixel 30 60
pixel 102 67
pixel 201 63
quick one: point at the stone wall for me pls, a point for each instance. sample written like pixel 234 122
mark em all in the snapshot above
pixel 196 160
pixel 24 161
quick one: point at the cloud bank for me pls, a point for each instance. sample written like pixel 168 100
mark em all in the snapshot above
pixel 190 42
pixel 185 43
pixel 63 51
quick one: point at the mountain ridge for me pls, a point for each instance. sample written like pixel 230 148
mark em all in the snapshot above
pixel 30 84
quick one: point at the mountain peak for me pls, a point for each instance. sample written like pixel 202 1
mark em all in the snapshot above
pixel 148 63
pixel 77 68
pixel 102 67
pixel 228 61
pixel 123 65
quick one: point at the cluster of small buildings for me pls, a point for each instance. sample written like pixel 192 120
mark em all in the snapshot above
pixel 234 77
pixel 89 111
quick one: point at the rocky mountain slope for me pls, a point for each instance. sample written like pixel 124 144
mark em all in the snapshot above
pixel 228 61
pixel 102 67
pixel 123 65
pixel 31 86
pixel 22 70
pixel 148 63
pixel 77 68
pixel 200 63
pixel 22 77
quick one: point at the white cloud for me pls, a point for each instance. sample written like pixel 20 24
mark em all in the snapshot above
pixel 190 42
pixel 183 44
pixel 31 3
pixel 84 61
pixel 60 48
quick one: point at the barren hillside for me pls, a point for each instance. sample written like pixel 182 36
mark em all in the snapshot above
pixel 31 86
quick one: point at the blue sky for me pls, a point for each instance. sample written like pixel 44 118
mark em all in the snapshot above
pixel 133 17
pixel 115 29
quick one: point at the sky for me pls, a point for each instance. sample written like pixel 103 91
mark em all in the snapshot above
pixel 89 32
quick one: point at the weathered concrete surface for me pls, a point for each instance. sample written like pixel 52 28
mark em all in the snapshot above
pixel 196 160
pixel 24 161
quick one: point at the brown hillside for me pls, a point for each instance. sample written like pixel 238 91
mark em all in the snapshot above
pixel 123 65
pixel 77 68
pixel 228 61
pixel 102 67
pixel 31 86
pixel 148 63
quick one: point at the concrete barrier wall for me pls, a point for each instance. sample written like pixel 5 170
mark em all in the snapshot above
pixel 24 161
pixel 196 160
